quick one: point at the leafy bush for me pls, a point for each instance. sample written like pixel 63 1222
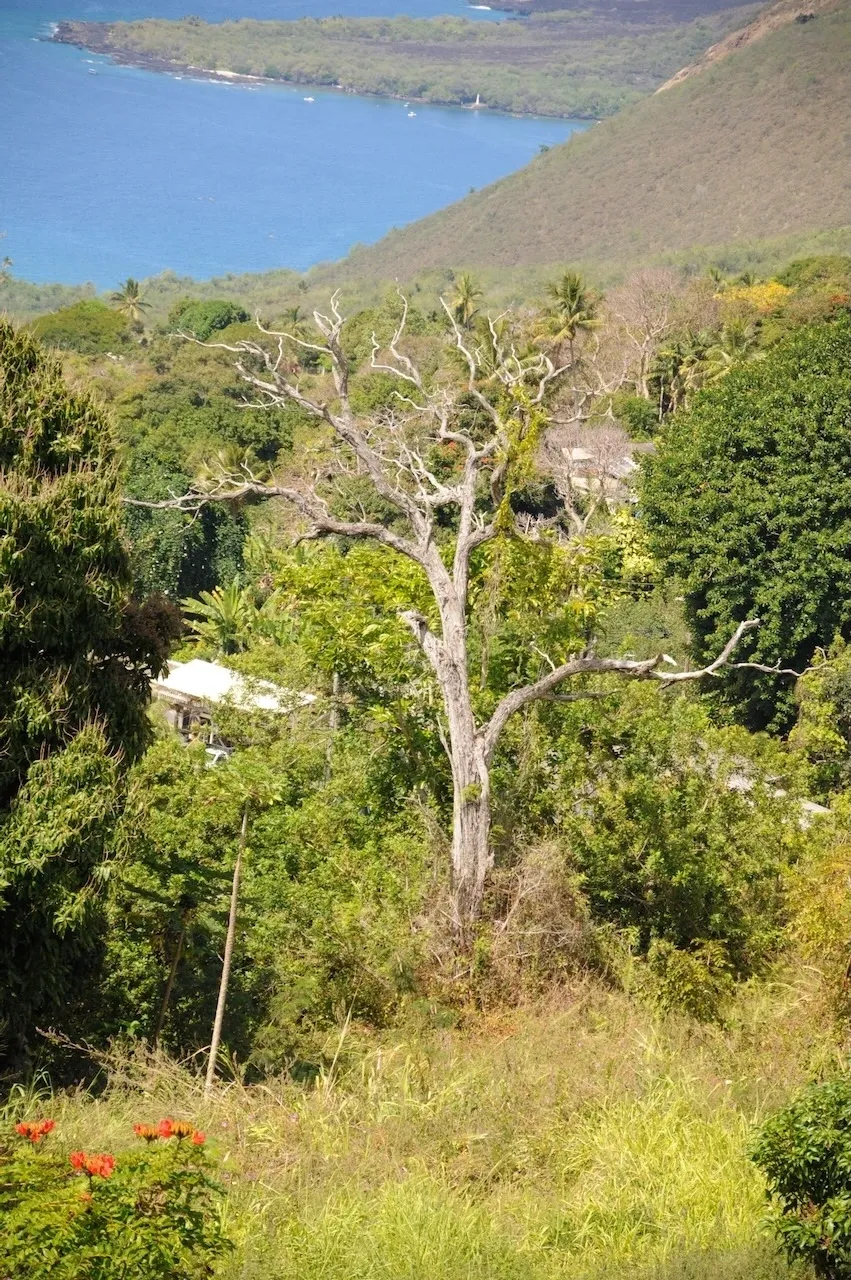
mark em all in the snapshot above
pixel 681 832
pixel 90 327
pixel 143 1214
pixel 204 318
pixel 805 1153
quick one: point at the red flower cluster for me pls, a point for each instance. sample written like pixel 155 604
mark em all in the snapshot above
pixel 102 1166
pixel 169 1128
pixel 35 1130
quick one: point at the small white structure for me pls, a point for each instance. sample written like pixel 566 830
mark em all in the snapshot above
pixel 192 690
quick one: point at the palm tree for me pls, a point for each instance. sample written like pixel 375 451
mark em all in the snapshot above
pixel 467 294
pixel 129 301
pixel 231 466
pixel 226 616
pixel 572 310
pixel 679 369
pixel 737 342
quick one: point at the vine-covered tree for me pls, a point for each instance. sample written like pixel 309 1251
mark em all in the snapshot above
pixel 76 656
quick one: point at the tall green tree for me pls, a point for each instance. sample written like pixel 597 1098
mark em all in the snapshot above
pixel 76 657
pixel 465 300
pixel 748 501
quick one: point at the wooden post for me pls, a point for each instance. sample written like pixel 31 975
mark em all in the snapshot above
pixel 226 962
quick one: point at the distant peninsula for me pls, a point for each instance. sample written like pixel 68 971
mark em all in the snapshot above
pixel 582 64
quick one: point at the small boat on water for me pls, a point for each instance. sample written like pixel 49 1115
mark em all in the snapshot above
pixel 411 115
pixel 309 99
pixel 92 71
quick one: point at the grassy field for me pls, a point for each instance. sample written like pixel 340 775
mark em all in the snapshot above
pixel 573 63
pixel 584 1139
pixel 756 146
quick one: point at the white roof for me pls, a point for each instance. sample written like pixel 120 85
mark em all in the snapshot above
pixel 208 682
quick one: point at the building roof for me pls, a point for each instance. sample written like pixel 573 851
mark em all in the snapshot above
pixel 208 683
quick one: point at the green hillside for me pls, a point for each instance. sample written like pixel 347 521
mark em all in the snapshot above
pixel 756 146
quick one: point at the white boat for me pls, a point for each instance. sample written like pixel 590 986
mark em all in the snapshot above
pixel 309 99
pixel 411 115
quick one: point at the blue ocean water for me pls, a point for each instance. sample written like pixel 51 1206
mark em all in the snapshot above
pixel 125 172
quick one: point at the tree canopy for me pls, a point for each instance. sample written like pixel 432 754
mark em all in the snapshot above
pixel 77 651
pixel 748 501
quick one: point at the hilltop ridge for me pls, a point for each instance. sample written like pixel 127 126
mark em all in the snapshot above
pixel 756 146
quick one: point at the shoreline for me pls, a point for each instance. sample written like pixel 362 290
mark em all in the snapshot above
pixel 67 33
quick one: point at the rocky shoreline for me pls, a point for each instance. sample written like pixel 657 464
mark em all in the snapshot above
pixel 94 38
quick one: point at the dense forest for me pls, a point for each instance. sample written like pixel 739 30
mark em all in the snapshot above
pixel 519 918
pixel 570 63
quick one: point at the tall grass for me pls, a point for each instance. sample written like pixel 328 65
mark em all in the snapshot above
pixel 583 1140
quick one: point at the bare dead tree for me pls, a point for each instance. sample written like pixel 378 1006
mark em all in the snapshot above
pixel 393 451
pixel 588 465
pixel 644 308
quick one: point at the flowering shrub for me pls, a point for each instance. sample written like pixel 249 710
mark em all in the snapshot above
pixel 149 1213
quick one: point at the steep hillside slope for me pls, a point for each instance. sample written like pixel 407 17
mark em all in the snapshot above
pixel 757 145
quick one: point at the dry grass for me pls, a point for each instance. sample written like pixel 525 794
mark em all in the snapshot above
pixel 588 1138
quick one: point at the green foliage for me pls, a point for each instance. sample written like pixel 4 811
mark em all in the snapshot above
pixel 223 618
pixel 77 654
pixel 73 650
pixel 204 318
pixel 53 868
pixel 638 415
pixel 748 501
pixel 89 327
pixel 681 832
pixel 144 1215
pixel 822 732
pixel 804 1151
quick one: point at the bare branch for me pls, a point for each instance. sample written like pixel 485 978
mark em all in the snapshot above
pixel 587 664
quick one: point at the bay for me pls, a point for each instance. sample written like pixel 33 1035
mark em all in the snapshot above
pixel 125 172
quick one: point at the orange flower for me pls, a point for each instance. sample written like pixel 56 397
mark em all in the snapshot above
pixel 182 1129
pixel 35 1130
pixel 165 1128
pixel 100 1166
pixel 147 1131
pixel 198 1138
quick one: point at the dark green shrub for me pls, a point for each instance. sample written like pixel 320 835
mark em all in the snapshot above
pixel 749 505
pixel 805 1153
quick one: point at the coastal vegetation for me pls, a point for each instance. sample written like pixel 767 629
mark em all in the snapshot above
pixel 570 63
